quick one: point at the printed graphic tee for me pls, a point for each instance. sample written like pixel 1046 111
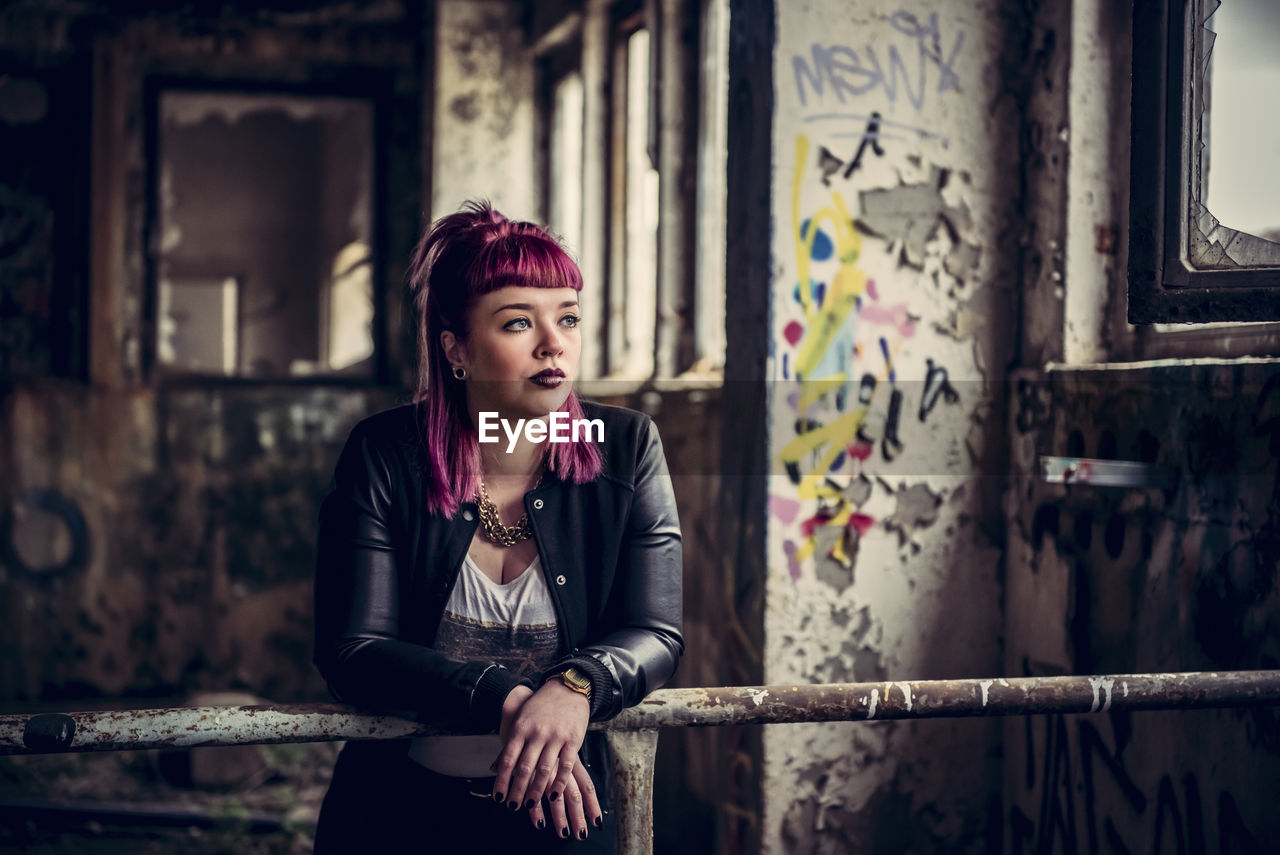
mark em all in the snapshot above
pixel 513 624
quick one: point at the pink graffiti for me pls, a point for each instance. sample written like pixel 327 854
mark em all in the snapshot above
pixel 793 566
pixel 861 449
pixel 871 290
pixel 792 332
pixel 783 508
pixel 808 527
pixel 894 316
pixel 860 523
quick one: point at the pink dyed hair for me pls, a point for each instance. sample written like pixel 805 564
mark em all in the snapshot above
pixel 462 257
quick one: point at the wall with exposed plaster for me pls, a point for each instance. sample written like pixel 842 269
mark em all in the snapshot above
pixel 889 335
pixel 483 118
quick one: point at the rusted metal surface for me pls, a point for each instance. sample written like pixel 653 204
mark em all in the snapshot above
pixel 633 755
pixel 189 727
pixel 952 698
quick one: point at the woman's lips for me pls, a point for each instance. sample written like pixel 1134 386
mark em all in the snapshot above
pixel 548 379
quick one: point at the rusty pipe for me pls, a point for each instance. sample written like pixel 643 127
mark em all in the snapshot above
pixel 116 730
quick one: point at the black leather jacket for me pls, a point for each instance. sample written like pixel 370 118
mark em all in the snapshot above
pixel 610 549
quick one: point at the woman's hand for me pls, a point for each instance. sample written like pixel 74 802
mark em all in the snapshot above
pixel 541 734
pixel 570 812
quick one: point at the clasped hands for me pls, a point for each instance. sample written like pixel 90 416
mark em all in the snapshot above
pixel 541 733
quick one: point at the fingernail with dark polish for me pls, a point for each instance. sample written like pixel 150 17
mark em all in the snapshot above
pixel 528 803
pixel 513 804
pixel 599 822
pixel 564 832
pixel 542 823
pixel 582 834
pixel 497 797
pixel 553 797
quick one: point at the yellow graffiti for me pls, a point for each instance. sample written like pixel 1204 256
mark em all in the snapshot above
pixel 833 435
pixel 849 282
pixel 823 323
pixel 823 444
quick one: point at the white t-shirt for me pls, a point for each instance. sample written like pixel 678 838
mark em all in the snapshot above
pixel 513 624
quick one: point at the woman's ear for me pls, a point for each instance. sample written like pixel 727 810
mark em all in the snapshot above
pixel 453 349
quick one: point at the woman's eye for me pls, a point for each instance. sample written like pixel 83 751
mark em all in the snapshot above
pixel 570 320
pixel 516 324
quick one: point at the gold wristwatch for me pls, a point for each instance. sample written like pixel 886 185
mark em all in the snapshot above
pixel 577 681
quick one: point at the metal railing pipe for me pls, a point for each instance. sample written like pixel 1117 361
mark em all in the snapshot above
pixel 189 727
pixel 633 735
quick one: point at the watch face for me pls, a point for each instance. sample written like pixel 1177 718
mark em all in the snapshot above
pixel 575 679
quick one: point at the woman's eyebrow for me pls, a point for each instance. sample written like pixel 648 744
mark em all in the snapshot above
pixel 526 307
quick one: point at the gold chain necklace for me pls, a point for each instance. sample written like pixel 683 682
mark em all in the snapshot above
pixel 494 530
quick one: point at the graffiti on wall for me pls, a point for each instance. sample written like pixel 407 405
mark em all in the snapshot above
pixel 1178 577
pixel 841 377
pixel 920 60
pixel 912 63
pixel 840 352
pixel 1090 800
pixel 43 534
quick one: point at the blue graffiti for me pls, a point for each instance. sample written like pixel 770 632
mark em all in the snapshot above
pixel 846 72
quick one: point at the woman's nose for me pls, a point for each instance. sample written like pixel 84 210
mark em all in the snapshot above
pixel 551 345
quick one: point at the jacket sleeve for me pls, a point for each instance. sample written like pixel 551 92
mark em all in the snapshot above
pixel 644 614
pixel 360 647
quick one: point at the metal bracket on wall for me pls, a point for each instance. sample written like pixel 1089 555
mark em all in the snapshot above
pixel 1103 473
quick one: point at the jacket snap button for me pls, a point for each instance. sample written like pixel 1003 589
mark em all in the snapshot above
pixel 537 504
pixel 560 580
pixel 467 515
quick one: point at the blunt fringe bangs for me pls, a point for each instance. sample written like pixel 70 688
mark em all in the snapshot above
pixel 462 257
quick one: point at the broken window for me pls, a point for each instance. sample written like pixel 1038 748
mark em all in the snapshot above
pixel 1205 215
pixel 1237 198
pixel 263 235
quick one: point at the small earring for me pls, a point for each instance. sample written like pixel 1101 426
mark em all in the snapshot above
pixel 459 372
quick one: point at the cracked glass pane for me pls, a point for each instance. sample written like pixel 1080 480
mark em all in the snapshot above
pixel 1235 209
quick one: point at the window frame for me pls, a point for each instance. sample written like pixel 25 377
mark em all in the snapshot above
pixel 684 346
pixel 624 353
pixel 367 84
pixel 1163 286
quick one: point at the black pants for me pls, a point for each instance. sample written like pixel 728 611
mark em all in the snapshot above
pixel 380 801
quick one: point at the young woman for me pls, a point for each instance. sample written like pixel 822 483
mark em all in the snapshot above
pixel 509 591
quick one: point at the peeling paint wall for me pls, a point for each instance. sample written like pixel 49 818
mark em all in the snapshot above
pixel 483 125
pixel 162 542
pixel 1105 580
pixel 890 333
pixel 1180 578
pixel 157 538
